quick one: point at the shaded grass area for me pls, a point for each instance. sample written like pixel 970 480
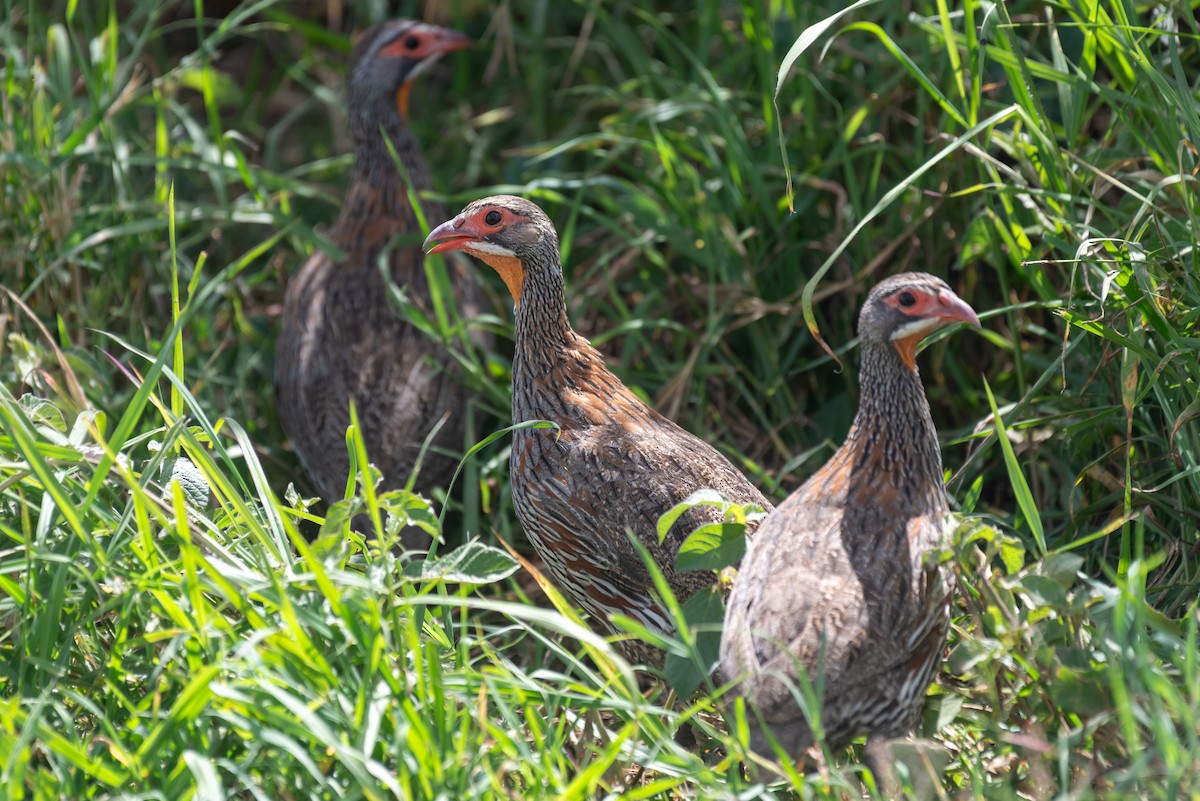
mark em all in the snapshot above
pixel 167 628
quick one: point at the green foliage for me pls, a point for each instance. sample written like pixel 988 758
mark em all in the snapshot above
pixel 729 180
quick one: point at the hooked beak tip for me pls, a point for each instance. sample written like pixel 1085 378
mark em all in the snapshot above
pixel 955 308
pixel 445 237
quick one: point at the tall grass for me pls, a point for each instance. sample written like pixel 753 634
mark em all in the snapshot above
pixel 180 621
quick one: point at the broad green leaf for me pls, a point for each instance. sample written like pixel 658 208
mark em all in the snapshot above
pixel 704 613
pixel 704 497
pixel 713 547
pixel 405 508
pixel 472 563
pixel 1062 568
pixel 191 480
pixel 1012 554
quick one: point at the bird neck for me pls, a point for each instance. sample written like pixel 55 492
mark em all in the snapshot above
pixel 541 328
pixel 377 190
pixel 893 438
pixel 557 374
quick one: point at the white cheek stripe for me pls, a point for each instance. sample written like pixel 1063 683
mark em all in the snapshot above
pixel 916 327
pixel 489 248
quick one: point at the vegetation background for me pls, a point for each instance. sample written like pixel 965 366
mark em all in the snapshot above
pixel 168 633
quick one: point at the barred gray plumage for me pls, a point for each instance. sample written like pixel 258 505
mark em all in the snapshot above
pixel 837 582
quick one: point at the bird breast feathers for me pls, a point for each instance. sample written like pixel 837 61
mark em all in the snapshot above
pixel 631 482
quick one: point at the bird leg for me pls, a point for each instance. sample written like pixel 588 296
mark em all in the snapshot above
pixel 877 756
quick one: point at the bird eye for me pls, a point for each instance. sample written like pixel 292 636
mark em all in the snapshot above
pixel 412 42
pixel 907 299
pixel 492 217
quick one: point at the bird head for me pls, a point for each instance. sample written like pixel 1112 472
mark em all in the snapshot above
pixel 510 234
pixel 390 55
pixel 906 308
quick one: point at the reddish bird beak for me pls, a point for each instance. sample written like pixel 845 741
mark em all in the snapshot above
pixel 447 236
pixel 449 42
pixel 955 309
